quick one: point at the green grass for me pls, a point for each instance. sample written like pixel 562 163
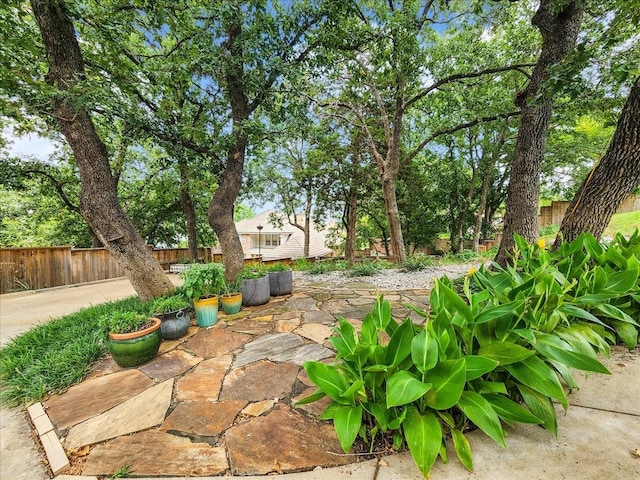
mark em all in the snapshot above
pixel 50 357
pixel 625 223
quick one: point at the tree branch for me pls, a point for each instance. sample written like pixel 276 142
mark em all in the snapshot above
pixel 446 131
pixel 463 76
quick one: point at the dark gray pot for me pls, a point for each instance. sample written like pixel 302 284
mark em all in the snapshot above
pixel 280 283
pixel 174 324
pixel 255 291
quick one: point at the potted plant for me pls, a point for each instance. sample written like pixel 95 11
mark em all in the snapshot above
pixel 134 338
pixel 201 283
pixel 173 312
pixel 254 286
pixel 280 279
pixel 231 298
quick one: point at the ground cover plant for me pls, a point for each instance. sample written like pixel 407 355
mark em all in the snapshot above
pixel 497 352
pixel 52 356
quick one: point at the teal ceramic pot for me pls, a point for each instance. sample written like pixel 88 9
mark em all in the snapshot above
pixel 280 283
pixel 255 291
pixel 231 303
pixel 206 311
pixel 133 349
pixel 174 324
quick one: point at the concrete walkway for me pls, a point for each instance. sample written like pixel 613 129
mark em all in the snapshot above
pixel 219 401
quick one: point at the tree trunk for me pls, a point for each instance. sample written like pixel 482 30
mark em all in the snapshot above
pixel 350 242
pixel 189 210
pixel 611 181
pixel 220 212
pixel 98 198
pixel 395 228
pixel 307 223
pixel 559 25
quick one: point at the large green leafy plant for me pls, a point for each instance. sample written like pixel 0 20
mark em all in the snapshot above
pixel 498 352
pixel 202 280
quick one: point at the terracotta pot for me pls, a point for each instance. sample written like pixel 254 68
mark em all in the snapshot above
pixel 135 348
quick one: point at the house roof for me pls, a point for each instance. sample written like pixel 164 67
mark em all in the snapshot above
pixel 294 246
pixel 250 225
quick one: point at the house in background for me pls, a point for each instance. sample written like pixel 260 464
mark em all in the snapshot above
pixel 278 243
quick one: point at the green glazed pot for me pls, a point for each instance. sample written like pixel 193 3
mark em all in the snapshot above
pixel 231 303
pixel 206 311
pixel 135 348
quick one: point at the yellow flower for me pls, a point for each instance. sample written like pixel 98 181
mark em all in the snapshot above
pixel 541 244
pixel 471 271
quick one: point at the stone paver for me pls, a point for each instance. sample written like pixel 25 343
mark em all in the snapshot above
pixel 266 346
pixel 204 382
pixel 303 353
pixel 320 316
pixel 256 409
pixel 287 325
pixel 251 327
pixel 169 365
pixel 157 453
pixel 314 331
pixel 283 441
pixel 259 381
pixel 95 396
pixel 138 413
pixel 304 304
pixel 205 419
pixel 214 342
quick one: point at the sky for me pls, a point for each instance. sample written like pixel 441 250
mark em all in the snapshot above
pixel 29 145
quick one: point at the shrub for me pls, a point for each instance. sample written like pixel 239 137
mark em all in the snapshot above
pixel 168 304
pixel 498 352
pixel 417 262
pixel 202 280
pixel 366 268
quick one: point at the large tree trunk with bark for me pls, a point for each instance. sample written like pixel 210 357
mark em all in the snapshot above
pixel 611 181
pixel 559 25
pixel 98 198
pixel 186 202
pixel 350 242
pixel 221 207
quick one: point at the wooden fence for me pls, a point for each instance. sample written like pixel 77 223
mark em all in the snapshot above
pixel 44 267
pixel 553 214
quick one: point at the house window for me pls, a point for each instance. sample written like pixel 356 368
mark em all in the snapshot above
pixel 271 239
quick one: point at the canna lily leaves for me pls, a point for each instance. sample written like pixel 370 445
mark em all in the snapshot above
pixel 463 448
pixel 478 366
pixel 448 379
pixel 399 346
pixel 424 437
pixel 404 388
pixel 505 353
pixel 510 410
pixel 328 379
pixel 347 421
pixel 424 351
pixel 480 412
pixel 537 375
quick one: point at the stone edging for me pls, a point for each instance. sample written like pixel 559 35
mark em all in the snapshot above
pixel 58 461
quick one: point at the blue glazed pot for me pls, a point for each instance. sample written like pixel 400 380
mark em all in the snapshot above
pixel 174 324
pixel 206 311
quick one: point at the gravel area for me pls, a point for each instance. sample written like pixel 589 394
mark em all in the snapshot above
pixel 390 279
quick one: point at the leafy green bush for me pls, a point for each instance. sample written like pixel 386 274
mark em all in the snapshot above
pixel 202 280
pixel 366 268
pixel 325 266
pixel 168 304
pixel 464 256
pixel 417 262
pixel 250 272
pixel 497 353
pixel 277 267
pixel 301 264
pixel 547 230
